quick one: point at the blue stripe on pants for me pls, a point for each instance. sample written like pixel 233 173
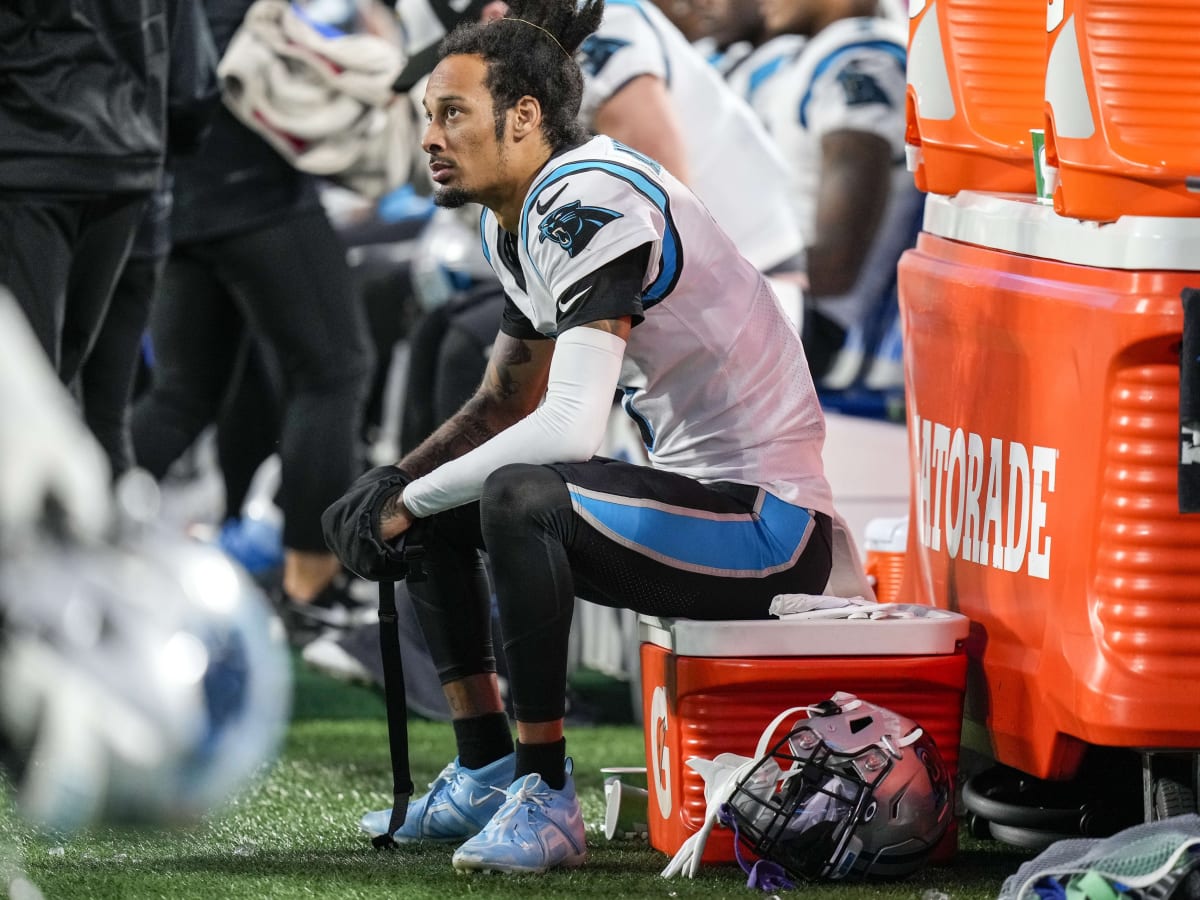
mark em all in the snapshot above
pixel 727 544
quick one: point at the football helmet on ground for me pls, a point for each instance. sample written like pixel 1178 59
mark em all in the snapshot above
pixel 854 790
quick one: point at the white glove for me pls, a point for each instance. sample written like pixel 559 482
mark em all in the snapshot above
pixel 45 449
pixel 721 776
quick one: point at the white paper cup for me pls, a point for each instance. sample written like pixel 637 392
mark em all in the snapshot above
pixel 631 775
pixel 626 810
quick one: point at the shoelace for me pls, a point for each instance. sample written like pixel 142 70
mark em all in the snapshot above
pixel 446 775
pixel 525 793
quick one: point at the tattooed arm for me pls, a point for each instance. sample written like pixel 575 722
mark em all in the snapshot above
pixel 512 387
pixel 504 423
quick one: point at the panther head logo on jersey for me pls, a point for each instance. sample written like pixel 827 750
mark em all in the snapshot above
pixel 573 226
pixel 595 52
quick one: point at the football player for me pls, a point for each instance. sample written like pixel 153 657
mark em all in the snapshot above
pixel 617 278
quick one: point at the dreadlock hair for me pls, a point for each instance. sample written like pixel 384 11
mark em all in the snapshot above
pixel 531 51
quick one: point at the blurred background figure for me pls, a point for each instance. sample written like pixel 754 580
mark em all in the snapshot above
pixel 111 369
pixel 744 54
pixel 835 107
pixel 689 16
pixel 83 87
pixel 256 271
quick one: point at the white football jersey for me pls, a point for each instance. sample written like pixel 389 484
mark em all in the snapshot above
pixel 851 75
pixel 753 72
pixel 735 168
pixel 713 373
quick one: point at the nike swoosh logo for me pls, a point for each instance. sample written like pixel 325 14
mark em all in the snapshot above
pixel 477 800
pixel 543 208
pixel 567 303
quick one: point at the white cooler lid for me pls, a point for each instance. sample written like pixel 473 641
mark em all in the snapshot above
pixel 935 634
pixel 1017 223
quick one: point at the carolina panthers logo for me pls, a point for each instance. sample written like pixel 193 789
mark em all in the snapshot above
pixel 862 88
pixel 595 52
pixel 573 226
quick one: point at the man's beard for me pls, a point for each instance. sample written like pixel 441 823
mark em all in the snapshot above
pixel 453 198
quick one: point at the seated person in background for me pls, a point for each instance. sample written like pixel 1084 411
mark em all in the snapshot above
pixel 647 87
pixel 616 277
pixel 836 110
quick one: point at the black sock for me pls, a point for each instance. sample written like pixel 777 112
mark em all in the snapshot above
pixel 547 760
pixel 482 739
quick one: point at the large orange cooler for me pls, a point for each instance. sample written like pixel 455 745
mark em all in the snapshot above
pixel 712 687
pixel 1042 376
pixel 1122 107
pixel 976 78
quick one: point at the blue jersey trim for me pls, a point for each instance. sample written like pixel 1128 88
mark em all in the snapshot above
pixel 645 429
pixel 741 544
pixel 671 259
pixel 487 254
pixel 760 75
pixel 896 50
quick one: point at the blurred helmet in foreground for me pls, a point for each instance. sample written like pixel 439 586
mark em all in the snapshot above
pixel 145 682
pixel 854 790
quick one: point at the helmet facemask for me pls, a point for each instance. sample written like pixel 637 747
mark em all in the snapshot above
pixel 853 791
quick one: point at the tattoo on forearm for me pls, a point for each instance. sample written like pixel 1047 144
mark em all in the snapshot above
pixel 505 384
pixel 496 405
pixel 464 431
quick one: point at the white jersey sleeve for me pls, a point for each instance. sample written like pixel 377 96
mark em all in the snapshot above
pixel 625 46
pixel 862 88
pixel 851 75
pixel 714 374
pixel 730 156
pixel 584 216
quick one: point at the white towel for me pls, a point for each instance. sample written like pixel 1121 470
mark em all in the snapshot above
pixel 324 102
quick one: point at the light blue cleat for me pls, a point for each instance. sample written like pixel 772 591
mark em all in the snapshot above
pixel 459 803
pixel 537 828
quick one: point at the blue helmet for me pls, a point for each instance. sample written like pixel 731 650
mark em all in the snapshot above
pixel 145 681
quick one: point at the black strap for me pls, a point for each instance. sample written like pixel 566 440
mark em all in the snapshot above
pixel 422 62
pixel 397 712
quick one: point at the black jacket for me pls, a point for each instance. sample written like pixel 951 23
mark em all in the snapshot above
pixel 235 181
pixel 82 94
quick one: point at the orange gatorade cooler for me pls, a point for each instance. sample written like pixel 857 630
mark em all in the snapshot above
pixel 712 687
pixel 1042 376
pixel 976 78
pixel 1122 109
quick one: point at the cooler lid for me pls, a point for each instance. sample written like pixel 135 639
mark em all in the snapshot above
pixel 935 634
pixel 1017 223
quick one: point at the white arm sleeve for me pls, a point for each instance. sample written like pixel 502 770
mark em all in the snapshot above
pixel 567 427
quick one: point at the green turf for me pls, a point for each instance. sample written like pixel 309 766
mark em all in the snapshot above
pixel 294 834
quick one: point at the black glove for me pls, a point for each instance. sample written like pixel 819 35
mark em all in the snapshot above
pixel 351 527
